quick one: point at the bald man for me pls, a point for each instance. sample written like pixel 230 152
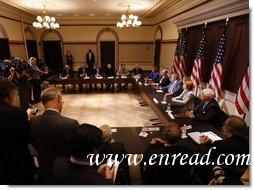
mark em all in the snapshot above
pixel 208 110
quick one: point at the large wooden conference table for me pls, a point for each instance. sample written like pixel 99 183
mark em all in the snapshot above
pixel 129 136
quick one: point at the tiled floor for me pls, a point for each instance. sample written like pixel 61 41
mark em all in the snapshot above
pixel 113 109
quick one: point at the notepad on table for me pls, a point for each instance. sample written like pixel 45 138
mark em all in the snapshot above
pixel 160 91
pixel 110 77
pixel 195 136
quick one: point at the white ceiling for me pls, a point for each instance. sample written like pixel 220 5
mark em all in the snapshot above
pixel 86 8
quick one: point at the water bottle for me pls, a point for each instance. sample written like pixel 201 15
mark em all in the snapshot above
pixel 60 75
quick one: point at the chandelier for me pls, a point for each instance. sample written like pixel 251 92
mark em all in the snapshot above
pixel 128 20
pixel 45 21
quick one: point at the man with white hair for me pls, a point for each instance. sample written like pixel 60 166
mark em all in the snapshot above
pixel 51 133
pixel 208 110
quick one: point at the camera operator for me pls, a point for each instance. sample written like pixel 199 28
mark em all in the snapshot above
pixel 35 79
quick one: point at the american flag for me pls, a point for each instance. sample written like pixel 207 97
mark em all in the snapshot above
pixel 197 67
pixel 183 49
pixel 216 75
pixel 242 99
pixel 176 68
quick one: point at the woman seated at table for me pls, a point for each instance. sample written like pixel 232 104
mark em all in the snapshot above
pixel 154 75
pixel 186 98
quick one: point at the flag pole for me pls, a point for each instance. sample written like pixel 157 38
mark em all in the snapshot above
pixel 244 115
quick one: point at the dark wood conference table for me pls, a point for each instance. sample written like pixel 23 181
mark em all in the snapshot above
pixel 129 136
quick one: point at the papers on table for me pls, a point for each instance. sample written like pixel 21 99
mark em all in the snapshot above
pixel 123 76
pixel 64 77
pixel 195 136
pixel 99 77
pixel 110 77
pixel 146 84
pixel 163 102
pixel 86 77
pixel 113 130
pixel 143 134
pixel 155 100
pixel 151 129
pixel 160 91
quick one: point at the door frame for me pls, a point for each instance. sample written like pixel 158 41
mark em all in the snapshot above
pixel 157 31
pixel 114 53
pixel 98 40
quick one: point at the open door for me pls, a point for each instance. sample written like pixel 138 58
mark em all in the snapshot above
pixel 32 48
pixel 53 55
pixel 107 54
pixel 4 49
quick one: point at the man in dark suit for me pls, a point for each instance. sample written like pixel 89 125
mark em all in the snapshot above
pixel 69 59
pixel 163 173
pixel 208 110
pixel 109 72
pixel 51 133
pixel 16 163
pixel 236 142
pixel 90 59
pixel 77 169
pixel 137 70
pixel 164 80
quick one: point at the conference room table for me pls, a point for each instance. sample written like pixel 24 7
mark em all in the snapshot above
pixel 130 136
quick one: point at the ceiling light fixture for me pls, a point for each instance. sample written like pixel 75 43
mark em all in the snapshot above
pixel 45 21
pixel 128 20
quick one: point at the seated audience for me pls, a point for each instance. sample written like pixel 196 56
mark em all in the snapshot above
pixel 164 80
pixel 76 169
pixel 186 98
pixel 208 110
pixel 110 146
pixel 51 133
pixel 236 142
pixel 154 75
pixel 109 72
pixel 137 70
pixel 16 163
pixel 166 174
pixel 122 71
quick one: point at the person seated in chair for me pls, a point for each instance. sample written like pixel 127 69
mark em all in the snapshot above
pixel 67 73
pixel 174 88
pixel 109 72
pixel 154 75
pixel 82 72
pixel 122 71
pixel 236 142
pixel 97 73
pixel 164 80
pixel 161 173
pixel 186 98
pixel 77 169
pixel 137 70
pixel 208 110
pixel 110 146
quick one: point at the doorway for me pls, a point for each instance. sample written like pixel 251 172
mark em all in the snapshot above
pixel 107 54
pixel 4 49
pixel 53 56
pixel 157 54
pixel 32 48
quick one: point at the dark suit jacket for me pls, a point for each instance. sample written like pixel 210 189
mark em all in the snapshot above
pixel 80 71
pixel 165 81
pixel 165 174
pixel 67 173
pixel 137 71
pixel 89 61
pixel 16 164
pixel 209 114
pixel 231 145
pixel 51 136
pixel 109 72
